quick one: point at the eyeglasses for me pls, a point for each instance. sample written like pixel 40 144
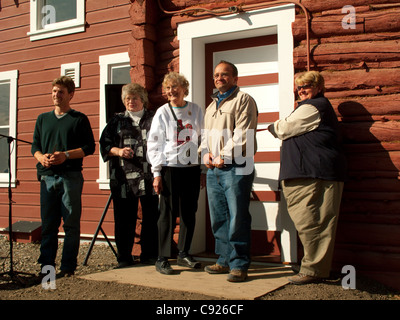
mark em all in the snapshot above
pixel 171 87
pixel 306 86
pixel 222 75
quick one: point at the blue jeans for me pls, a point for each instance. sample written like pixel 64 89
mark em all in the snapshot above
pixel 229 199
pixel 60 198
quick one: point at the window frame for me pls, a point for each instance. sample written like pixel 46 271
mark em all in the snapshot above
pixel 107 62
pixel 58 28
pixel 11 77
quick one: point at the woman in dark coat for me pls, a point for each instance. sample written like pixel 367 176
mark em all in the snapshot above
pixel 124 144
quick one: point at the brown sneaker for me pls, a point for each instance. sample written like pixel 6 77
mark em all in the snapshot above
pixel 302 278
pixel 237 276
pixel 216 268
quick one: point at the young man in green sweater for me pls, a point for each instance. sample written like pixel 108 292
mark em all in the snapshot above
pixel 62 138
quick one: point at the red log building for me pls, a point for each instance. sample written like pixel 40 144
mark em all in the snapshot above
pixel 113 42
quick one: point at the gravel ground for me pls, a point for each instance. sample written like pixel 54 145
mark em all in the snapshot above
pixel 28 287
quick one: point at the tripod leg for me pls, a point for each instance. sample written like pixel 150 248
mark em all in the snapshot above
pixel 97 230
pixel 12 274
pixel 109 243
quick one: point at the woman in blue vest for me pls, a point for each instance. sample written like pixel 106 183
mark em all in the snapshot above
pixel 312 174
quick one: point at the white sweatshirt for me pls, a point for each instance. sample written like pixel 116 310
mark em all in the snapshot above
pixel 165 147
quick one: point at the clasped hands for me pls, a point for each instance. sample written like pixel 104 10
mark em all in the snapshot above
pixel 212 162
pixel 49 159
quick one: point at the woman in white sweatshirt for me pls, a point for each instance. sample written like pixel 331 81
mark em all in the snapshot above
pixel 172 151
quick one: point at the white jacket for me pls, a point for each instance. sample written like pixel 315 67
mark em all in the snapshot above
pixel 165 147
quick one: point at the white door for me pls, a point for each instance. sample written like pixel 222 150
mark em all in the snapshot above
pixel 260 44
pixel 257 61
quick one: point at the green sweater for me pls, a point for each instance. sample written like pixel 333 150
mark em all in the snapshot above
pixel 51 134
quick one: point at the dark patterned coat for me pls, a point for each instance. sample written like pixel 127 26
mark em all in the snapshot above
pixel 128 176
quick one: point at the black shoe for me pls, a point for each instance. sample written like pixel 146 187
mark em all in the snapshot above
pixel 163 266
pixel 189 262
pixel 65 274
pixel 148 260
pixel 124 264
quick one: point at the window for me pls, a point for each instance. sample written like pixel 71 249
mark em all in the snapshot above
pixel 8 125
pixel 52 18
pixel 114 69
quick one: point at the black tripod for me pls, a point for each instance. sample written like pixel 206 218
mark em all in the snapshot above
pixel 99 228
pixel 11 273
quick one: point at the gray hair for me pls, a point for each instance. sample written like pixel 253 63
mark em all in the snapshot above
pixel 179 79
pixel 135 89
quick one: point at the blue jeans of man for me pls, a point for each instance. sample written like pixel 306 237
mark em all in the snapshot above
pixel 228 194
pixel 60 198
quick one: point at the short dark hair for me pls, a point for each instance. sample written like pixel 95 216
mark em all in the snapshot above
pixel 235 72
pixel 66 82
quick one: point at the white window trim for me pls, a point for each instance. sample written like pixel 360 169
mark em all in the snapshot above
pixel 12 77
pixel 106 63
pixel 59 28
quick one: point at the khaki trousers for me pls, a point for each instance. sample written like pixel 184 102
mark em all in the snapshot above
pixel 313 205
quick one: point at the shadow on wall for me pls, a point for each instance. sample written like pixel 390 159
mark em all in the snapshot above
pixel 370 211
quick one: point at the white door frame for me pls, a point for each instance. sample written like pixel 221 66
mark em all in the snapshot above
pixel 193 36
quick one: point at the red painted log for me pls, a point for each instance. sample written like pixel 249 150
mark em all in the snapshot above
pixel 371 185
pixel 345 52
pixel 378 234
pixel 142 52
pixel 378 161
pixel 378 90
pixel 371 131
pixel 360 79
pixel 375 105
pixel 374 196
pixel 372 147
pixel 318 6
pixel 367 208
pixel 357 175
pixel 366 22
pixel 146 31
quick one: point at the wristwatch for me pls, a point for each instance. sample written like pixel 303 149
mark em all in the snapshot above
pixel 66 154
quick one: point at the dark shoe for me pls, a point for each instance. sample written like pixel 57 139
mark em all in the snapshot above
pixel 216 268
pixel 124 264
pixel 40 276
pixel 150 261
pixel 237 275
pixel 163 266
pixel 65 274
pixel 189 262
pixel 302 278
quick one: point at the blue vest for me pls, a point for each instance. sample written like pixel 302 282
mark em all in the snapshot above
pixel 316 154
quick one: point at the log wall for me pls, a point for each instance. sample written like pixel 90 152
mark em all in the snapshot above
pixel 361 70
